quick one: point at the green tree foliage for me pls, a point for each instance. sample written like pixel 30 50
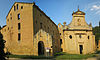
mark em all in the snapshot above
pixel 0 27
pixel 96 32
pixel 2 45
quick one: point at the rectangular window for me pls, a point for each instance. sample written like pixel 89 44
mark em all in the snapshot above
pixel 18 26
pixel 17 6
pixel 60 41
pixel 19 36
pixel 48 30
pixel 11 18
pixel 36 21
pixel 21 7
pixel 40 25
pixel 18 16
pixel 7 19
pixel 14 8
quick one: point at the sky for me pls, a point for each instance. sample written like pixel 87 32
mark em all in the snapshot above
pixel 58 10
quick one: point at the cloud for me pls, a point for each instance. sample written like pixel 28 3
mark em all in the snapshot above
pixel 90 5
pixel 98 12
pixel 91 9
pixel 95 7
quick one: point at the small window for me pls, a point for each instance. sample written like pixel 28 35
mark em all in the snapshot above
pixel 40 14
pixel 18 26
pixel 60 33
pixel 11 27
pixel 48 30
pixel 8 28
pixel 51 46
pixel 7 19
pixel 14 8
pixel 10 14
pixel 52 37
pixel 18 16
pixel 36 21
pixel 17 6
pixel 61 50
pixel 19 36
pixel 11 18
pixel 80 36
pixel 21 7
pixel 70 36
pixel 88 37
pixel 60 41
pixel 40 25
pixel 5 30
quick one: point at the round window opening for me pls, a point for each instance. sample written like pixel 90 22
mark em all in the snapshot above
pixel 78 20
pixel 70 36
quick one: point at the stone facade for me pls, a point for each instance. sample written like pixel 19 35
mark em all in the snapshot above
pixel 77 37
pixel 29 31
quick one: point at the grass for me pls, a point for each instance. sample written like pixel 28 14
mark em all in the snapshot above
pixel 97 52
pixel 56 56
pixel 74 56
pixel 29 57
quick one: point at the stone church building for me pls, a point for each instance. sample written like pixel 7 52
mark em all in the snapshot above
pixel 77 37
pixel 29 31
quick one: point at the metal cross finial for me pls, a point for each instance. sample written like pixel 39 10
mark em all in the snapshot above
pixel 78 8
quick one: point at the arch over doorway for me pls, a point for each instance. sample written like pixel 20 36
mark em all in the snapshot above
pixel 41 48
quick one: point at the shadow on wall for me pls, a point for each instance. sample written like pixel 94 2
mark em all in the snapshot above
pixel 2 45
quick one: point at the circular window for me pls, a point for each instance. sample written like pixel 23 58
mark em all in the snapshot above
pixel 70 36
pixel 78 20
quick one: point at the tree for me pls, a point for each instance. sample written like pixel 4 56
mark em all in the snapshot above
pixel 2 45
pixel 0 27
pixel 99 24
pixel 96 32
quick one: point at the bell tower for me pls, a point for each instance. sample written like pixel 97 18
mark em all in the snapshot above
pixel 78 20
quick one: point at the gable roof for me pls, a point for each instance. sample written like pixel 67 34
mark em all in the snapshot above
pixel 78 12
pixel 14 4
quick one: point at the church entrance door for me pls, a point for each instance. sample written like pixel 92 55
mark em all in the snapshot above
pixel 81 48
pixel 41 48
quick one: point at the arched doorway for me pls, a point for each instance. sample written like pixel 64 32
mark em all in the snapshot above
pixel 41 48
